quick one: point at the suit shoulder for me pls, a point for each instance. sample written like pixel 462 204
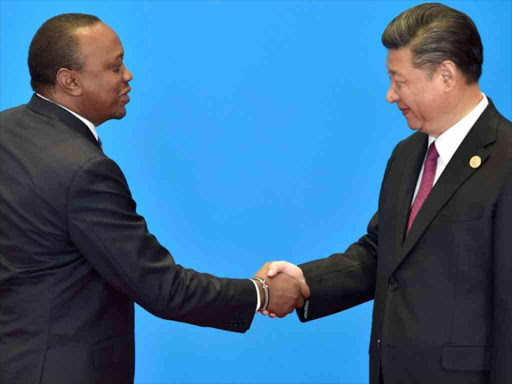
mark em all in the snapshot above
pixel 504 123
pixel 413 141
pixel 12 113
pixel 41 148
pixel 29 132
pixel 414 138
pixel 503 128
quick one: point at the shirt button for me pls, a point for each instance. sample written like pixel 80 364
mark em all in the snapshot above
pixel 378 343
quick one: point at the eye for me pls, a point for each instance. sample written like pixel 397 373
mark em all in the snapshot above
pixel 117 68
pixel 399 84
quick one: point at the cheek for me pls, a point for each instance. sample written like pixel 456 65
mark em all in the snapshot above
pixel 111 92
pixel 417 104
pixel 431 105
pixel 412 103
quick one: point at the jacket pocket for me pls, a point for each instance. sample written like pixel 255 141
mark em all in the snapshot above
pixel 466 358
pixel 461 213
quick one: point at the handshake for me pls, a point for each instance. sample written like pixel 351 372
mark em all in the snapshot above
pixel 282 288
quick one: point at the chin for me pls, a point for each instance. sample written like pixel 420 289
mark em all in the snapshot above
pixel 415 125
pixel 119 115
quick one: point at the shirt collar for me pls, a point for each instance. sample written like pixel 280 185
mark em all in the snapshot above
pixel 448 142
pixel 90 125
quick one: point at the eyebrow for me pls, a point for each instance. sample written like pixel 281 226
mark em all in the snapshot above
pixel 394 74
pixel 116 60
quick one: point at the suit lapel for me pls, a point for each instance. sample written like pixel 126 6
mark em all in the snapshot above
pixel 54 111
pixel 414 160
pixel 455 174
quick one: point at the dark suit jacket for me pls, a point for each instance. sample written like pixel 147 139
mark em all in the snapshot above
pixel 75 256
pixel 443 294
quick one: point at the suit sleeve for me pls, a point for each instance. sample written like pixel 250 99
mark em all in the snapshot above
pixel 106 228
pixel 501 361
pixel 344 280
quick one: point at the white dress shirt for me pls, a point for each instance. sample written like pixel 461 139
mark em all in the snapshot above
pixel 448 142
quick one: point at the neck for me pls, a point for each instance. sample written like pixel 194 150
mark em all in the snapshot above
pixel 66 101
pixel 462 103
pixel 467 101
pixel 58 98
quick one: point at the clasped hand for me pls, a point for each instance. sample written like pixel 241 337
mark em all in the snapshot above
pixel 287 287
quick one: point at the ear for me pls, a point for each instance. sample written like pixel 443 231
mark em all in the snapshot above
pixel 69 82
pixel 448 75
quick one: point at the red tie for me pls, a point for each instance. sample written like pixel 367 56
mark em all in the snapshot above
pixel 427 180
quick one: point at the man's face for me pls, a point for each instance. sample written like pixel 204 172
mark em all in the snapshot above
pixel 104 77
pixel 418 97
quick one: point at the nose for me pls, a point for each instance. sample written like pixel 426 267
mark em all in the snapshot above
pixel 127 75
pixel 391 95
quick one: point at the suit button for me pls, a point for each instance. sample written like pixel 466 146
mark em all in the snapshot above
pixel 392 284
pixel 378 343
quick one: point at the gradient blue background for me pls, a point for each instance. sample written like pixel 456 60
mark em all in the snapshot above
pixel 257 131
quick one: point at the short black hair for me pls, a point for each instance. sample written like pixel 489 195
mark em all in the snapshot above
pixel 55 46
pixel 434 33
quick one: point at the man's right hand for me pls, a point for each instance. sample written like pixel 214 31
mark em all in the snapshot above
pixel 286 293
pixel 276 268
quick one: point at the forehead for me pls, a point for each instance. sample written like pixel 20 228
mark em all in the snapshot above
pixel 398 61
pixel 99 40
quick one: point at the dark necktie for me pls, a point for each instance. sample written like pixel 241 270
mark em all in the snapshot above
pixel 427 181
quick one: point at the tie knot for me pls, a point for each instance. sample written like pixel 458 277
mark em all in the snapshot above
pixel 432 152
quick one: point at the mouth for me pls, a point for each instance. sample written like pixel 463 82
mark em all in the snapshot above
pixel 405 111
pixel 124 95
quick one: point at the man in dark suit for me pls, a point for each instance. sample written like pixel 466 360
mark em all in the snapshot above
pixel 74 253
pixel 437 258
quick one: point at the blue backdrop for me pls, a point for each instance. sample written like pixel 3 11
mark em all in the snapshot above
pixel 257 131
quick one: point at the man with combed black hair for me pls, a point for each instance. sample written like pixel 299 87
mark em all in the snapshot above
pixel 437 258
